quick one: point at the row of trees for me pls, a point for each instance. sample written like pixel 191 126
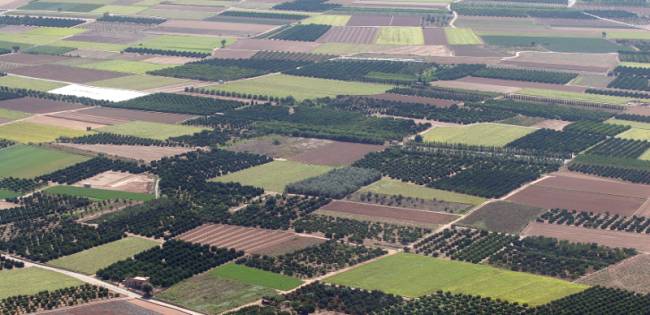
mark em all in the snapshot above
pixel 49 300
pixel 603 221
pixel 464 244
pixel 302 32
pixel 336 183
pixel 526 75
pixel 623 148
pixel 166 52
pixel 384 71
pixel 178 103
pixel 565 142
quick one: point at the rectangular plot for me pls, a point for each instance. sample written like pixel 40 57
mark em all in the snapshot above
pixel 405 20
pixel 111 116
pixel 379 211
pixel 65 73
pixel 345 34
pixel 434 36
pixel 38 105
pixel 274 44
pixel 370 20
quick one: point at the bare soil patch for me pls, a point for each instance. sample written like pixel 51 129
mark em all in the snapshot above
pixel 414 99
pixel 65 73
pixel 116 307
pixel 187 7
pixel 556 66
pixel 476 51
pixel 523 84
pixel 134 152
pixel 353 35
pixel 587 194
pixel 421 51
pixel 405 20
pixel 225 53
pixel 370 20
pixel 61 122
pixel 638 110
pixel 122 181
pixel 247 239
pixel 112 38
pixel 567 61
pixel 31 59
pixel 278 146
pixel 336 153
pixel 38 105
pixel 275 45
pixel 386 212
pixel 476 86
pixel 112 116
pixel 554 124
pixel 641 242
pixel 212 28
pixel 7 205
pixel 632 274
pixel 435 36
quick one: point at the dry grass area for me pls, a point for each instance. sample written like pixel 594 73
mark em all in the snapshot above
pixel 632 274
pixel 61 122
pixel 134 152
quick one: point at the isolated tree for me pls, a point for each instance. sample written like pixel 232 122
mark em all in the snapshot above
pixel 223 43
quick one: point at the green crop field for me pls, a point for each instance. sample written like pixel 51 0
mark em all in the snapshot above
pixel 391 186
pixel 413 275
pixel 60 6
pixel 349 49
pixel 31 280
pixel 487 134
pixel 90 45
pixel 326 19
pixel 28 83
pixel 635 134
pixel 257 277
pixel 119 9
pixel 300 88
pixel 185 42
pixel 178 14
pixel 211 294
pixel 559 44
pixel 5 193
pixel 462 36
pixel 128 66
pixel 392 35
pixel 274 176
pixel 596 98
pixel 633 124
pixel 30 161
pixel 151 130
pixel 91 260
pixel 98 194
pixel 25 132
pixel 12 114
pixel 138 82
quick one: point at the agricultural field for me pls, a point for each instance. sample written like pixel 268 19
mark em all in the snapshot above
pixel 184 43
pixel 333 20
pixel 502 216
pixel 151 130
pixel 135 67
pixel 138 82
pixel 32 280
pixel 400 36
pixel 596 98
pixel 485 134
pixel 25 132
pixel 98 194
pixel 29 83
pixel 462 36
pixel 257 277
pixel 274 176
pixel 388 186
pixel 96 258
pixel 29 161
pixel 300 88
pixel 413 275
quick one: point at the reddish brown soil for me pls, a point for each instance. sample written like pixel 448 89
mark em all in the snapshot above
pixel 542 65
pixel 67 74
pixel 116 307
pixel 370 20
pixel 414 99
pixel 62 122
pixel 112 38
pixel 211 28
pixel 112 116
pixel 336 153
pixel 185 7
pixel 31 59
pixel 134 152
pixel 434 36
pixel 632 274
pixel 638 110
pixel 522 84
pixel 400 214
pixel 233 53
pixel 354 35
pixel 38 105
pixel 609 238
pixel 589 194
pixel 405 20
pixel 275 45
pixel 476 51
pixel 250 240
pixel 578 23
pixel 552 124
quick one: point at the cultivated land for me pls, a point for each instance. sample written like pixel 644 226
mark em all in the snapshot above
pixel 462 36
pixel 91 260
pixel 502 216
pixel 387 214
pixel 631 274
pixel 274 176
pixel 414 275
pixel 151 130
pixel 184 43
pixel 32 280
pixel 147 153
pixel 29 83
pixel 97 194
pixel 479 134
pixel 605 99
pixel 250 240
pixel 258 277
pixel 300 87
pixel 29 161
pixel 390 186
pixel 400 36
pixel 25 132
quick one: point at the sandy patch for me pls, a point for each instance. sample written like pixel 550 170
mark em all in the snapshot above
pixel 122 181
pixel 134 152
